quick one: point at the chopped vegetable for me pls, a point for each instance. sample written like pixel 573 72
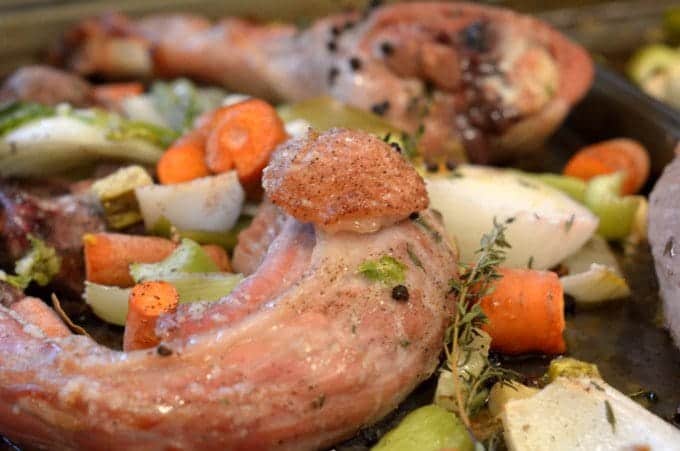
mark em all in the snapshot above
pixel 148 301
pixel 546 226
pixel 116 192
pixel 188 257
pixel 427 428
pixel 243 136
pixel 184 160
pixel 525 311
pixel 40 144
pixel 111 303
pixel 572 414
pixel 387 270
pixel 472 362
pixel 180 102
pixel 572 186
pixel 40 264
pixel 570 367
pixel 15 114
pixel 596 250
pixel 107 302
pixel 503 392
pixel 108 256
pixel 112 94
pixel 210 203
pixel 600 283
pixel 608 157
pixel 326 112
pixel 226 239
pixel 616 213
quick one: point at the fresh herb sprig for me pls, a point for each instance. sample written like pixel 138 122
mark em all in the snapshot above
pixel 474 281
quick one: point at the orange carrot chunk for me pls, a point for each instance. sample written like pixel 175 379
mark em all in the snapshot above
pixel 184 160
pixel 612 156
pixel 526 312
pixel 147 302
pixel 219 256
pixel 110 94
pixel 243 136
pixel 108 256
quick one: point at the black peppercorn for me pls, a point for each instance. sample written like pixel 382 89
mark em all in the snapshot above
pixel 387 48
pixel 413 216
pixel 400 293
pixel 451 165
pixel 333 74
pixel 355 63
pixel 396 146
pixel 381 108
pixel 332 46
pixel 163 350
pixel 431 166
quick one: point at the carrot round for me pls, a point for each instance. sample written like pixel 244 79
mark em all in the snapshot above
pixel 612 156
pixel 108 256
pixel 526 312
pixel 243 136
pixel 147 302
pixel 184 160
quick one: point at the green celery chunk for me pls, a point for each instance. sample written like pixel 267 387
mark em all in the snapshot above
pixel 571 186
pixel 429 428
pixel 127 129
pixel 203 286
pixel 188 257
pixel 111 303
pixel 325 112
pixel 15 114
pixel 116 192
pixel 226 239
pixel 616 212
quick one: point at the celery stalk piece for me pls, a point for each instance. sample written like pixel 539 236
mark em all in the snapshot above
pixel 111 303
pixel 188 257
pixel 226 239
pixel 203 286
pixel 571 186
pixel 427 428
pixel 116 193
pixel 616 212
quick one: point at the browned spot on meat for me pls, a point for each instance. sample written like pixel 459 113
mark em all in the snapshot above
pixel 344 180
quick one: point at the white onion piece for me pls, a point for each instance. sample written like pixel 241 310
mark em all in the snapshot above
pixel 547 224
pixel 209 203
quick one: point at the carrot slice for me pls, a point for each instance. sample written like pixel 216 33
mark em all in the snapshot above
pixel 108 256
pixel 612 156
pixel 184 160
pixel 111 94
pixel 243 136
pixel 525 312
pixel 218 255
pixel 147 302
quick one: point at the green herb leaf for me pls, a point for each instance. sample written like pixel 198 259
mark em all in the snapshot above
pixel 39 265
pixel 611 419
pixel 387 270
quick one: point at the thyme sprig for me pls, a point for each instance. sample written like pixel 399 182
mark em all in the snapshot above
pixel 474 282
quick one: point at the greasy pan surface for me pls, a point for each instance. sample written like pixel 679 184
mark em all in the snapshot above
pixel 623 338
